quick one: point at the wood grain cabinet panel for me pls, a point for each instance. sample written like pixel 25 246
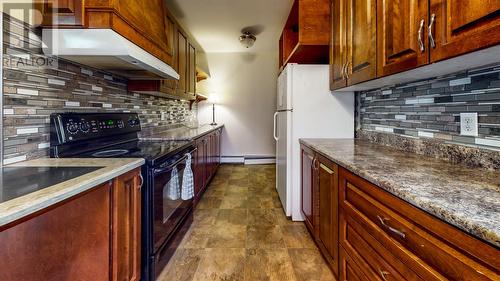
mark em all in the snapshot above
pixel 349 270
pixel 361 40
pixel 463 26
pixel 434 250
pixel 328 231
pixel 69 241
pixel 308 161
pixel 182 62
pixel 191 70
pixel 126 241
pixel 338 43
pixel 63 13
pixel 401 35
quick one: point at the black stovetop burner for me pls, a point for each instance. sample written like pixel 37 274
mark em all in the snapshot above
pixel 106 135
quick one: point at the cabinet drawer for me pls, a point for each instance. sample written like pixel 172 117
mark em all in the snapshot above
pixel 349 270
pixel 378 262
pixel 433 249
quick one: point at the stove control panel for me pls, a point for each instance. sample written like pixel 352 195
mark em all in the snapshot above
pixel 70 127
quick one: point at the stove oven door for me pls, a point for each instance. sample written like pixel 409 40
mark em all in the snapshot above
pixel 169 209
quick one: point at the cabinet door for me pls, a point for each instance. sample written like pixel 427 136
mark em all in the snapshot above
pixel 361 40
pixel 182 61
pixel 328 211
pixel 218 146
pixel 307 182
pixel 464 26
pixel 208 147
pixel 401 35
pixel 127 227
pixel 68 242
pixel 192 69
pixel 61 12
pixel 338 45
pixel 349 270
pixel 199 174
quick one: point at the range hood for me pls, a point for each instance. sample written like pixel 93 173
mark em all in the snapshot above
pixel 107 50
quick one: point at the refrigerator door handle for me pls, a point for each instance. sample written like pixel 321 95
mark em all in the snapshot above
pixel 274 126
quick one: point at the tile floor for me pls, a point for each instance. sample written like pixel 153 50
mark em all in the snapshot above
pixel 239 232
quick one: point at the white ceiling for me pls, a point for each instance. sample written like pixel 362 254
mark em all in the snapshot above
pixel 217 24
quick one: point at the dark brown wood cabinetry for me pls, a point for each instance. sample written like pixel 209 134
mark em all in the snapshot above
pixel 375 38
pixel 191 69
pixel 69 241
pixel 459 27
pixel 320 204
pixel 353 42
pixel 308 161
pixel 402 35
pixel 207 161
pixel 306 35
pixel 92 236
pixel 126 230
pixel 182 62
pixel 366 233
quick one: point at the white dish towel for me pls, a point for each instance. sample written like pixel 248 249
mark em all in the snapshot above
pixel 172 188
pixel 187 180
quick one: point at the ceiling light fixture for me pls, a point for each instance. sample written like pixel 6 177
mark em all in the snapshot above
pixel 247 39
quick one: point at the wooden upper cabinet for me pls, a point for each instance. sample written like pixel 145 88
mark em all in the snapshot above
pixel 191 76
pixel 63 13
pixel 402 35
pixel 361 38
pixel 306 35
pixel 338 45
pixel 182 61
pixel 463 26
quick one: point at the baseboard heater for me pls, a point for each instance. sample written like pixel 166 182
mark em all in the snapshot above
pixel 248 160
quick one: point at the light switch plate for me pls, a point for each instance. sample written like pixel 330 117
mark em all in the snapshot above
pixel 468 124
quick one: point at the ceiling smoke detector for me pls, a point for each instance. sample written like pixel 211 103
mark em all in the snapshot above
pixel 247 39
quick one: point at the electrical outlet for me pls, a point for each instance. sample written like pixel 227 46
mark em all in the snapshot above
pixel 468 124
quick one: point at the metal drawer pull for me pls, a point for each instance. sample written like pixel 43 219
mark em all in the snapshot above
pixel 392 229
pixel 383 274
pixel 431 37
pixel 420 42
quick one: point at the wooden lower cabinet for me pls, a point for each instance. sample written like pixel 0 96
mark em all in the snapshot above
pixel 67 242
pixel 433 249
pixel 366 233
pixel 126 227
pixel 308 175
pixel 206 162
pixel 320 203
pixel 91 236
pixel 328 211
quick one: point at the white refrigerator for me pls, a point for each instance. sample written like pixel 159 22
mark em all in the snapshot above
pixel 306 108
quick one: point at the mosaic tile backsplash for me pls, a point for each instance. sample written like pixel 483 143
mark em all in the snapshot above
pixel 424 116
pixel 32 94
pixel 431 108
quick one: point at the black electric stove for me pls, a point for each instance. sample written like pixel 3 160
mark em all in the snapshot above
pixel 115 135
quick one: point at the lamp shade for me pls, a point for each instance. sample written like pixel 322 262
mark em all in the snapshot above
pixel 213 98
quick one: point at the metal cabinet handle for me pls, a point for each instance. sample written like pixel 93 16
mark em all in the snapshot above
pixel 343 71
pixel 420 41
pixel 142 181
pixel 391 229
pixel 383 274
pixel 431 37
pixel 315 163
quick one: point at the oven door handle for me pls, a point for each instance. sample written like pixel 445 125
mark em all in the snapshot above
pixel 163 169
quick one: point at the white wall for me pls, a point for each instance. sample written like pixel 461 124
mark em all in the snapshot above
pixel 246 86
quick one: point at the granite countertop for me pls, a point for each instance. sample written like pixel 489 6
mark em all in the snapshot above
pixel 185 134
pixel 468 198
pixel 16 208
